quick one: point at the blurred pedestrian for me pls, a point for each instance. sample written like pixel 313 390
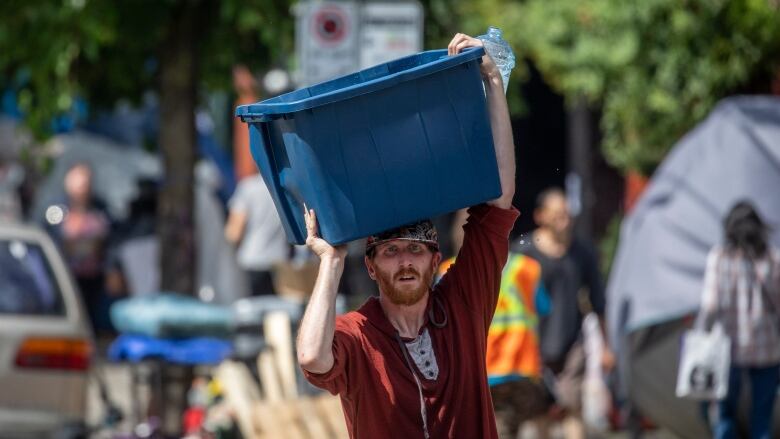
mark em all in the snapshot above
pixel 411 363
pixel 514 364
pixel 82 227
pixel 220 279
pixel 571 276
pixel 245 87
pixel 133 265
pixel 254 226
pixel 11 178
pixel 742 292
pixel 513 359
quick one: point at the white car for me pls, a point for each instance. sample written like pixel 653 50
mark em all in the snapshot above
pixel 46 343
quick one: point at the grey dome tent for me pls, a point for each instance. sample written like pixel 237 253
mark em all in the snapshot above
pixel 656 280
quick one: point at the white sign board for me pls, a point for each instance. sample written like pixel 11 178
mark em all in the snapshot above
pixel 389 31
pixel 326 40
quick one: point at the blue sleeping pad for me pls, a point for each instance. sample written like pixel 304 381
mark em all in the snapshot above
pixel 172 316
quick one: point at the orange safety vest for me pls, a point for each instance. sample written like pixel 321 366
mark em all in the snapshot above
pixel 513 338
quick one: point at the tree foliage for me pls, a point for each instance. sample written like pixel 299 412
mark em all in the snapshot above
pixel 100 51
pixel 655 67
pixel 53 51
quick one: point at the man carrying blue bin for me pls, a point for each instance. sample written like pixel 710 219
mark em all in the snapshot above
pixel 411 363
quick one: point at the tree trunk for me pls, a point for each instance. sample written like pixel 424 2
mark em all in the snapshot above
pixel 579 179
pixel 175 221
pixel 175 218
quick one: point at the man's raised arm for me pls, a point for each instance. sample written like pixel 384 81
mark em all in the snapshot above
pixel 315 335
pixel 499 119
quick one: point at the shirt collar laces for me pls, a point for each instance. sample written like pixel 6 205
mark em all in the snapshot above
pixel 437 303
pixel 423 411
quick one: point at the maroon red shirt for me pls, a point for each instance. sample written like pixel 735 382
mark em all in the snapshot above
pixel 378 392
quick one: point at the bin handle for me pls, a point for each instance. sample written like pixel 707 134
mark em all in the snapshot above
pixel 332 91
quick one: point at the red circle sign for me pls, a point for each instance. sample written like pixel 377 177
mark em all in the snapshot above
pixel 330 25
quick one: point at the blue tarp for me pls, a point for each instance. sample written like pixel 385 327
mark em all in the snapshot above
pixel 188 351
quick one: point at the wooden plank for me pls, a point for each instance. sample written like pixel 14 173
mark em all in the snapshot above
pixel 288 412
pixel 279 420
pixel 278 335
pixel 329 409
pixel 268 372
pixel 313 423
pixel 240 393
pixel 267 421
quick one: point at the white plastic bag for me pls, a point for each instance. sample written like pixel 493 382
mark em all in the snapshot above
pixel 596 399
pixel 704 364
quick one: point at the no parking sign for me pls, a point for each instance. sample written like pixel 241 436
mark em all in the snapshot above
pixel 327 40
pixel 330 24
pixel 337 38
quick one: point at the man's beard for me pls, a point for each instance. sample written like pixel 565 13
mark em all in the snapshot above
pixel 404 295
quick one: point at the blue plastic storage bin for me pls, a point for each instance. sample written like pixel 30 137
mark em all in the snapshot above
pixel 399 142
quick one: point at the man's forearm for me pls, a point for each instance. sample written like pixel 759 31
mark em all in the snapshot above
pixel 501 127
pixel 315 335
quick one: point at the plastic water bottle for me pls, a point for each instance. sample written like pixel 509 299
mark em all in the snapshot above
pixel 499 50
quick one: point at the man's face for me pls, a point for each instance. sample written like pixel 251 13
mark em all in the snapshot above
pixel 403 269
pixel 554 215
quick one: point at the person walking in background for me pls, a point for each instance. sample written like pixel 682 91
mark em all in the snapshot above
pixel 134 249
pixel 11 179
pixel 742 292
pixel 245 86
pixel 82 227
pixel 513 360
pixel 253 225
pixel 411 363
pixel 571 276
